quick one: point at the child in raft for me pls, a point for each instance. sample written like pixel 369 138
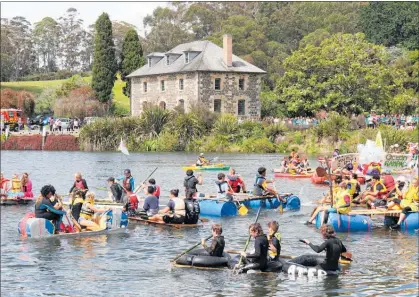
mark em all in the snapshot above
pixel 150 205
pixel 26 185
pixel 87 211
pixel 174 212
pixel 258 260
pixel 342 204
pixel 274 239
pixel 132 202
pixel 261 185
pixel 409 202
pixel 217 245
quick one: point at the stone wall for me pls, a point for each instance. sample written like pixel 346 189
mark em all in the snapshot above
pixel 230 94
pixel 171 96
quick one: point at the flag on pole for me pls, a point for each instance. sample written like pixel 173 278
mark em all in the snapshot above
pixel 379 140
pixel 122 147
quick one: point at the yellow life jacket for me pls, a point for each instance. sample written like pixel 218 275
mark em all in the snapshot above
pixel 383 190
pixel 86 212
pixel 354 183
pixel 16 185
pixel 411 198
pixel 273 254
pixel 340 201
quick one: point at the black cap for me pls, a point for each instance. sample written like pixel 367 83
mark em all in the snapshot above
pixel 112 179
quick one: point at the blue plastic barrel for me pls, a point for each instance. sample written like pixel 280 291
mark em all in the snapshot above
pixel 293 203
pixel 271 203
pixel 411 223
pixel 217 209
pixel 348 223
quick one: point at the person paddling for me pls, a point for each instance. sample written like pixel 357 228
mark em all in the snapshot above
pixel 88 209
pixel 261 185
pixel 223 188
pixel 132 202
pixel 47 197
pixel 333 246
pixel 152 182
pixel 258 260
pixel 202 161
pixel 217 245
pixel 151 204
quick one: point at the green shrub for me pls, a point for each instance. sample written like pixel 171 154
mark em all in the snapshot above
pixel 333 127
pixel 258 145
pixel 272 131
pixel 168 141
pixel 226 125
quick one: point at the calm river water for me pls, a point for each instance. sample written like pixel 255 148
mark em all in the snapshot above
pixel 137 263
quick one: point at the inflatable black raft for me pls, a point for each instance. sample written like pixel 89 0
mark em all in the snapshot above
pixel 311 266
pixel 201 258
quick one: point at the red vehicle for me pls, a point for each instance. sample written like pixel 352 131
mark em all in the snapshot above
pixel 11 116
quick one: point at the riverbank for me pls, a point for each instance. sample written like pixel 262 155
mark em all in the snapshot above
pixel 35 141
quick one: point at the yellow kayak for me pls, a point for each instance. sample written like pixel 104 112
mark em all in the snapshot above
pixel 220 166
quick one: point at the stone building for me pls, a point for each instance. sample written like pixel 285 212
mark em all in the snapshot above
pixel 198 72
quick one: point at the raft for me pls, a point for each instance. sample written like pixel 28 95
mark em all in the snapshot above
pixel 292 175
pixel 319 180
pixel 220 166
pixel 348 223
pixel 215 208
pixel 148 222
pixel 16 200
pixel 31 227
pixel 410 224
pixel 200 258
pixel 292 267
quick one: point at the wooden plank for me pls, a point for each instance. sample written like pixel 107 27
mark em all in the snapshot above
pixel 148 222
pixel 382 212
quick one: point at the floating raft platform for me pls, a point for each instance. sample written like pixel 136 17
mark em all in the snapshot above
pixel 148 222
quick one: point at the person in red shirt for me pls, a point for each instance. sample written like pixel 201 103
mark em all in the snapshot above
pixel 132 202
pixel 235 181
pixel 152 182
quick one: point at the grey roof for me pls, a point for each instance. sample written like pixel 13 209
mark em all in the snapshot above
pixel 210 58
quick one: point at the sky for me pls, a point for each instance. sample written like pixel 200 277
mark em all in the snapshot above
pixel 131 12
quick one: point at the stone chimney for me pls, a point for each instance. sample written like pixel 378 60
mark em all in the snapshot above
pixel 228 50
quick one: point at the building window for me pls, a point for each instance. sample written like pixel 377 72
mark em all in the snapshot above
pixel 145 87
pixel 162 85
pixel 241 107
pixel 149 62
pixel 167 60
pixel 241 84
pixel 218 83
pixel 162 105
pixel 181 84
pixel 182 104
pixel 217 105
pixel 186 58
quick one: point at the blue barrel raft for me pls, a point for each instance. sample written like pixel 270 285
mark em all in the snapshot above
pixel 410 224
pixel 293 203
pixel 217 208
pixel 348 223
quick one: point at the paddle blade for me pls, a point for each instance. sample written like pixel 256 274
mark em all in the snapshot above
pixel 321 172
pixel 242 210
pixel 281 209
pixel 347 256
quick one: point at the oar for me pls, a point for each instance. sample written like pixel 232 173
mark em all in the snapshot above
pixel 101 189
pixel 346 256
pixel 188 250
pixel 247 242
pixel 139 187
pixel 241 208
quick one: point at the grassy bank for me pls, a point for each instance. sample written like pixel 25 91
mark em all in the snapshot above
pixel 37 87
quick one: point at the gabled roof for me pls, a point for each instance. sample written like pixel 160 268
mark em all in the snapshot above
pixel 210 58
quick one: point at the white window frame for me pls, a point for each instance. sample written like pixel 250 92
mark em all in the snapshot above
pixel 187 58
pixel 149 62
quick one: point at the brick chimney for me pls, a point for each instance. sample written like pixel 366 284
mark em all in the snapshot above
pixel 228 50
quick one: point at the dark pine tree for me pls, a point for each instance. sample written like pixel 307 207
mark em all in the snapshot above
pixel 131 58
pixel 104 62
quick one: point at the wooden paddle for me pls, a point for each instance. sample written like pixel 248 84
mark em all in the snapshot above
pixel 188 250
pixel 140 186
pixel 241 208
pixel 247 242
pixel 281 208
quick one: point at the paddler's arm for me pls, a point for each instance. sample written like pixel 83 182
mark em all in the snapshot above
pixel 99 210
pixel 200 180
pixel 316 248
pixel 72 188
pixel 86 188
pixel 164 210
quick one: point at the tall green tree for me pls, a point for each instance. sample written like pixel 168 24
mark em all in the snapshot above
pixel 391 23
pixel 46 41
pixel 104 62
pixel 131 58
pixel 345 73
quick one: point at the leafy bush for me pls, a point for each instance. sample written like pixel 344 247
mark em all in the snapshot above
pixel 18 99
pixel 154 119
pixel 249 128
pixel 272 131
pixel 332 127
pixel 258 145
pixel 189 128
pixel 226 125
pixel 80 103
pixel 168 141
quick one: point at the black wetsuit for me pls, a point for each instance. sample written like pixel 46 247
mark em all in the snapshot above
pixel 44 213
pixel 259 259
pixel 334 247
pixel 277 244
pixel 217 247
